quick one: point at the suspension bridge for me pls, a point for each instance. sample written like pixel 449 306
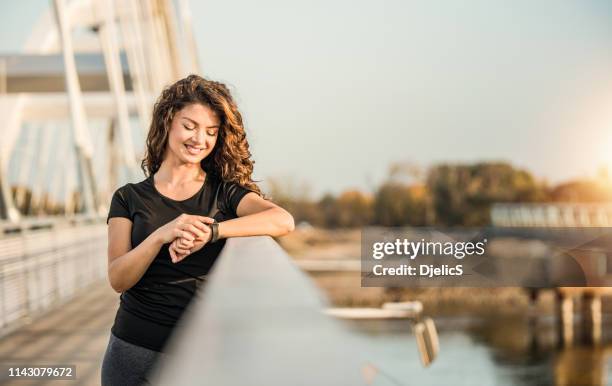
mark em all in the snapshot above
pixel 77 101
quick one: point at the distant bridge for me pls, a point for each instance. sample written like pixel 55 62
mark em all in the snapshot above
pixel 552 215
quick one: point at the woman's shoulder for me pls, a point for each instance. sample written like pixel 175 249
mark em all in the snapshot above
pixel 224 186
pixel 133 188
pixel 231 193
pixel 218 183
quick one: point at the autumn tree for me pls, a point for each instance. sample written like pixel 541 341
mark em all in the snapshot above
pixel 463 194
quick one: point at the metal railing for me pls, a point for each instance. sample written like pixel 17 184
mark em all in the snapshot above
pixel 260 320
pixel 44 263
pixel 258 313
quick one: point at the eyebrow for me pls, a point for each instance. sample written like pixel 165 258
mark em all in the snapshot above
pixel 197 124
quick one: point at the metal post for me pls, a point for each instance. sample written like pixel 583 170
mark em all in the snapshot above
pixel 161 40
pixel 157 60
pixel 26 166
pixel 130 24
pixel 10 132
pixel 169 27
pixel 112 157
pixel 58 182
pixel 41 165
pixel 110 49
pixel 83 145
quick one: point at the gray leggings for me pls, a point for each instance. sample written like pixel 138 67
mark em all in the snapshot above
pixel 126 364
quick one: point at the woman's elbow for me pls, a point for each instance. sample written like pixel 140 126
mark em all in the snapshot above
pixel 115 282
pixel 287 224
pixel 117 287
pixel 284 223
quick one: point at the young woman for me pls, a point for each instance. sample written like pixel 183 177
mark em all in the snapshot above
pixel 165 232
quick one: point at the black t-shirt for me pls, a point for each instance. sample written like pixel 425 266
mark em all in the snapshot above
pixel 150 310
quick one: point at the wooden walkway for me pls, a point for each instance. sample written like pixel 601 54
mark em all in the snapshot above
pixel 73 334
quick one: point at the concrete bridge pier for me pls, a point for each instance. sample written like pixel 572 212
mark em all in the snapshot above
pixel 590 315
pixel 565 318
pixel 591 318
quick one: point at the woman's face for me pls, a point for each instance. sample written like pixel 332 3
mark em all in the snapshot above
pixel 193 133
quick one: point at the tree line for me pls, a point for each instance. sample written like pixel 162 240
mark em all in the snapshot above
pixel 443 195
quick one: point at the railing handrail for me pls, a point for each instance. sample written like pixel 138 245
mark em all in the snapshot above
pixel 47 222
pixel 260 321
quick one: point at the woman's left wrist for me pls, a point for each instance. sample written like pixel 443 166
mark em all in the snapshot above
pixel 214 232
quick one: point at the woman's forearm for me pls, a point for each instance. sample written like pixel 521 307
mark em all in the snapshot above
pixel 126 270
pixel 273 222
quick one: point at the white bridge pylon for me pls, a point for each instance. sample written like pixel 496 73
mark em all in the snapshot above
pixel 77 101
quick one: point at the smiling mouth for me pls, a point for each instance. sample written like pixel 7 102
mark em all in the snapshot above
pixel 194 150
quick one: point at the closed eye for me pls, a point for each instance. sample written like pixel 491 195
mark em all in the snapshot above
pixel 188 128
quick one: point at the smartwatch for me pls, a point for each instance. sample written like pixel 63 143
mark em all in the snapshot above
pixel 214 229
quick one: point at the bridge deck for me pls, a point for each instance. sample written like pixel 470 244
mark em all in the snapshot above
pixel 73 334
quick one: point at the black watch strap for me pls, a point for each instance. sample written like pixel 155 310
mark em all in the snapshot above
pixel 214 228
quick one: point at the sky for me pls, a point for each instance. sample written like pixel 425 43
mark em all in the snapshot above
pixel 333 92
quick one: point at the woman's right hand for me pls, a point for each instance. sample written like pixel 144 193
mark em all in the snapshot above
pixel 187 226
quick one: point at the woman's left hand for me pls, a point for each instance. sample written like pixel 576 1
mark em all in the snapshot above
pixel 182 247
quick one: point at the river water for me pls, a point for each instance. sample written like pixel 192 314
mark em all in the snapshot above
pixel 485 351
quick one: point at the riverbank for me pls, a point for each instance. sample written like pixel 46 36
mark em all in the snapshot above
pixel 344 288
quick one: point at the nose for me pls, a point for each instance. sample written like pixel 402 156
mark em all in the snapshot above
pixel 200 137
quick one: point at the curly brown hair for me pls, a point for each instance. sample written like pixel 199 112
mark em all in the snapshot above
pixel 230 160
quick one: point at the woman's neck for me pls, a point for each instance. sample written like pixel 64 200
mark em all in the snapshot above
pixel 179 173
